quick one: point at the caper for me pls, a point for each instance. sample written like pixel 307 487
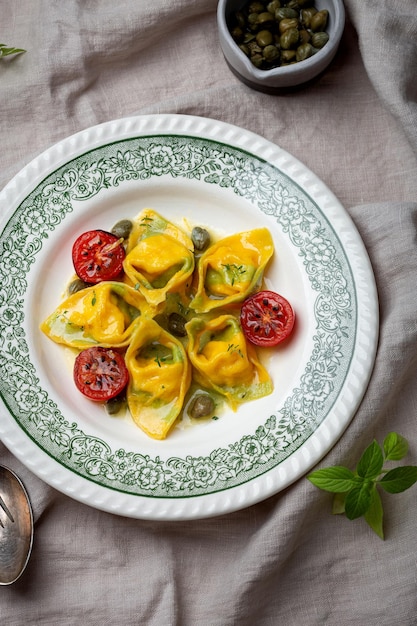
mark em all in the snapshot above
pixel 255 7
pixel 264 38
pixel 122 229
pixel 304 36
pixel 285 13
pixel 254 48
pixel 289 39
pixel 287 56
pixel 253 21
pixel 273 6
pixel 248 37
pixel 304 52
pixel 202 406
pixel 176 324
pixel 200 236
pixel 270 53
pixel 306 15
pixel 76 285
pixel 115 405
pixel 318 40
pixel 318 21
pixel 287 23
pixel 265 20
pixel 237 33
pixel 257 59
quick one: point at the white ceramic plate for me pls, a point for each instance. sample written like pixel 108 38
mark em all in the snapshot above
pixel 212 174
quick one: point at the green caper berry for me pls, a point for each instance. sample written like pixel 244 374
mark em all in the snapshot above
pixel 254 48
pixel 200 236
pixel 287 56
pixel 176 325
pixel 306 15
pixel 257 60
pixel 237 33
pixel 285 13
pixel 253 21
pixel 76 285
pixel 304 51
pixel 202 406
pixel 273 6
pixel 264 38
pixel 289 39
pixel 318 40
pixel 256 7
pixel 248 37
pixel 288 23
pixel 270 53
pixel 122 229
pixel 115 405
pixel 304 36
pixel 265 20
pixel 318 21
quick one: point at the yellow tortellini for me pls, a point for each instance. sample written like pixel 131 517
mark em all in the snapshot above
pixel 162 277
pixel 159 378
pixel 224 361
pixel 104 314
pixel 160 257
pixel 231 269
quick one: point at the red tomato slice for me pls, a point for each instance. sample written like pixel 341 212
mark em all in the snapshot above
pixel 98 255
pixel 267 318
pixel 100 373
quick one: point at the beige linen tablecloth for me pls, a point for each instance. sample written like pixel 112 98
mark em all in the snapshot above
pixel 286 560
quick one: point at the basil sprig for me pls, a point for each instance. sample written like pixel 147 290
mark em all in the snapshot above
pixel 5 51
pixel 356 492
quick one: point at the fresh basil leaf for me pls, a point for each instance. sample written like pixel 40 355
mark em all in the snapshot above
pixel 374 514
pixel 395 447
pixel 371 462
pixel 399 479
pixel 336 479
pixel 358 500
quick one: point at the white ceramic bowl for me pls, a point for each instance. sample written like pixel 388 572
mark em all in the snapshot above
pixel 280 78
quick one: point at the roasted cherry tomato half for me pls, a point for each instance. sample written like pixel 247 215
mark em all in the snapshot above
pixel 100 373
pixel 266 318
pixel 98 255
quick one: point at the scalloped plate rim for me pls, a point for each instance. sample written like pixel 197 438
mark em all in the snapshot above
pixel 325 435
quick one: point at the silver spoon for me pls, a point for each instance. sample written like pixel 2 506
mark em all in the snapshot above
pixel 16 527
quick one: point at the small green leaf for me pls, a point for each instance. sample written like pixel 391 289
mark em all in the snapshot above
pixel 339 501
pixel 371 462
pixel 336 479
pixel 395 447
pixel 358 500
pixel 4 51
pixel 374 514
pixel 399 479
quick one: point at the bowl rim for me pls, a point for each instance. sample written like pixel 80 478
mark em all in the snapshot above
pixel 322 58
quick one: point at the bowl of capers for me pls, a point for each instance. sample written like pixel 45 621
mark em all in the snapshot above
pixel 273 45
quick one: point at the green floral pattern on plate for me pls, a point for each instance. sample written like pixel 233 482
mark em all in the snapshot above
pixel 271 192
